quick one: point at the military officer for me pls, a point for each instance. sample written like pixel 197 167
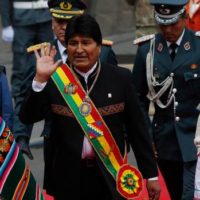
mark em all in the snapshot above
pixel 167 73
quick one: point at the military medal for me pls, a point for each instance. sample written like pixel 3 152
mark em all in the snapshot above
pixel 85 108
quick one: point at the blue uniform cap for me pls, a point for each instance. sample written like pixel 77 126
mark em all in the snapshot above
pixel 66 9
pixel 168 11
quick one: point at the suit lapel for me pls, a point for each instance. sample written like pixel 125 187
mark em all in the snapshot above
pixel 184 51
pixel 162 57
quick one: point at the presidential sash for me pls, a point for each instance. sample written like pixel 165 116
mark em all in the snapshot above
pixel 129 181
pixel 16 180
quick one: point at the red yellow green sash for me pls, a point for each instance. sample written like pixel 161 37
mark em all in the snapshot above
pixel 128 179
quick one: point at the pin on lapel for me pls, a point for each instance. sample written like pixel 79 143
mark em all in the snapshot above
pixel 187 46
pixel 109 95
pixel 160 47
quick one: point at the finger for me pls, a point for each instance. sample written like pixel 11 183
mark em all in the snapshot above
pixel 53 51
pixel 42 50
pixel 36 54
pixel 47 49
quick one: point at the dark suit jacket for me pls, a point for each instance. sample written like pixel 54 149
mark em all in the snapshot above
pixel 118 111
pixel 173 131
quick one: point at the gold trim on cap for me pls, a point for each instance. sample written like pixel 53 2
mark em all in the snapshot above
pixel 61 16
pixel 37 47
pixel 76 12
pixel 107 42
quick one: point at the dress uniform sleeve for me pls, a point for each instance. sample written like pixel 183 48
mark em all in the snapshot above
pixel 6 12
pixel 140 81
pixel 137 131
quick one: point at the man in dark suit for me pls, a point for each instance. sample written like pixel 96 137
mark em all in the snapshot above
pixel 166 72
pixel 83 157
pixel 60 17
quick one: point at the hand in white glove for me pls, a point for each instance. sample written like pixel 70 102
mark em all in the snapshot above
pixel 7 34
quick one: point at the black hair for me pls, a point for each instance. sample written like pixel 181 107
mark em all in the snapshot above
pixel 84 25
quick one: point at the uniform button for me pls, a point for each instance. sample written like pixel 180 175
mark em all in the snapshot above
pixel 174 90
pixel 177 119
pixel 155 125
pixel 195 75
pixel 176 103
pixel 172 74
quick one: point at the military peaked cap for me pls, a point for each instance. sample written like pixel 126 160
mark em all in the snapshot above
pixel 66 9
pixel 168 11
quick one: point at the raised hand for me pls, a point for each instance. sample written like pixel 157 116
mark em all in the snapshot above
pixel 45 63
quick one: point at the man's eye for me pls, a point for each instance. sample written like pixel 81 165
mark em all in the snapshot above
pixel 72 43
pixel 86 42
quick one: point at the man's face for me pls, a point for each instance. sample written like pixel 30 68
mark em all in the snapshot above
pixel 173 32
pixel 59 26
pixel 83 52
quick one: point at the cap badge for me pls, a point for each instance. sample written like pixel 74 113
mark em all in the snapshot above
pixel 164 11
pixel 65 6
pixel 160 47
pixel 193 66
pixel 187 46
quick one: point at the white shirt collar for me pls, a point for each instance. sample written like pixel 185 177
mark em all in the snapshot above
pixel 86 75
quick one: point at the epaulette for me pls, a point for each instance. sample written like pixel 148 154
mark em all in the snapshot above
pixel 37 47
pixel 143 39
pixel 197 33
pixel 107 42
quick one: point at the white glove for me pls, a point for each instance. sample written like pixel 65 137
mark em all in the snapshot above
pixel 7 34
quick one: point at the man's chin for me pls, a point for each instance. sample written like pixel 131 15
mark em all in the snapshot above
pixel 82 66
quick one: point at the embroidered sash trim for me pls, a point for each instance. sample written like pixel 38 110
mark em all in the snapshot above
pixel 98 133
pixel 104 111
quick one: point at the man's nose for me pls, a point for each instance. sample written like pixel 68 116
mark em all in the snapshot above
pixel 79 48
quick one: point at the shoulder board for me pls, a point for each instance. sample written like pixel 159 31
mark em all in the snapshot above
pixel 107 42
pixel 37 47
pixel 143 39
pixel 197 33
